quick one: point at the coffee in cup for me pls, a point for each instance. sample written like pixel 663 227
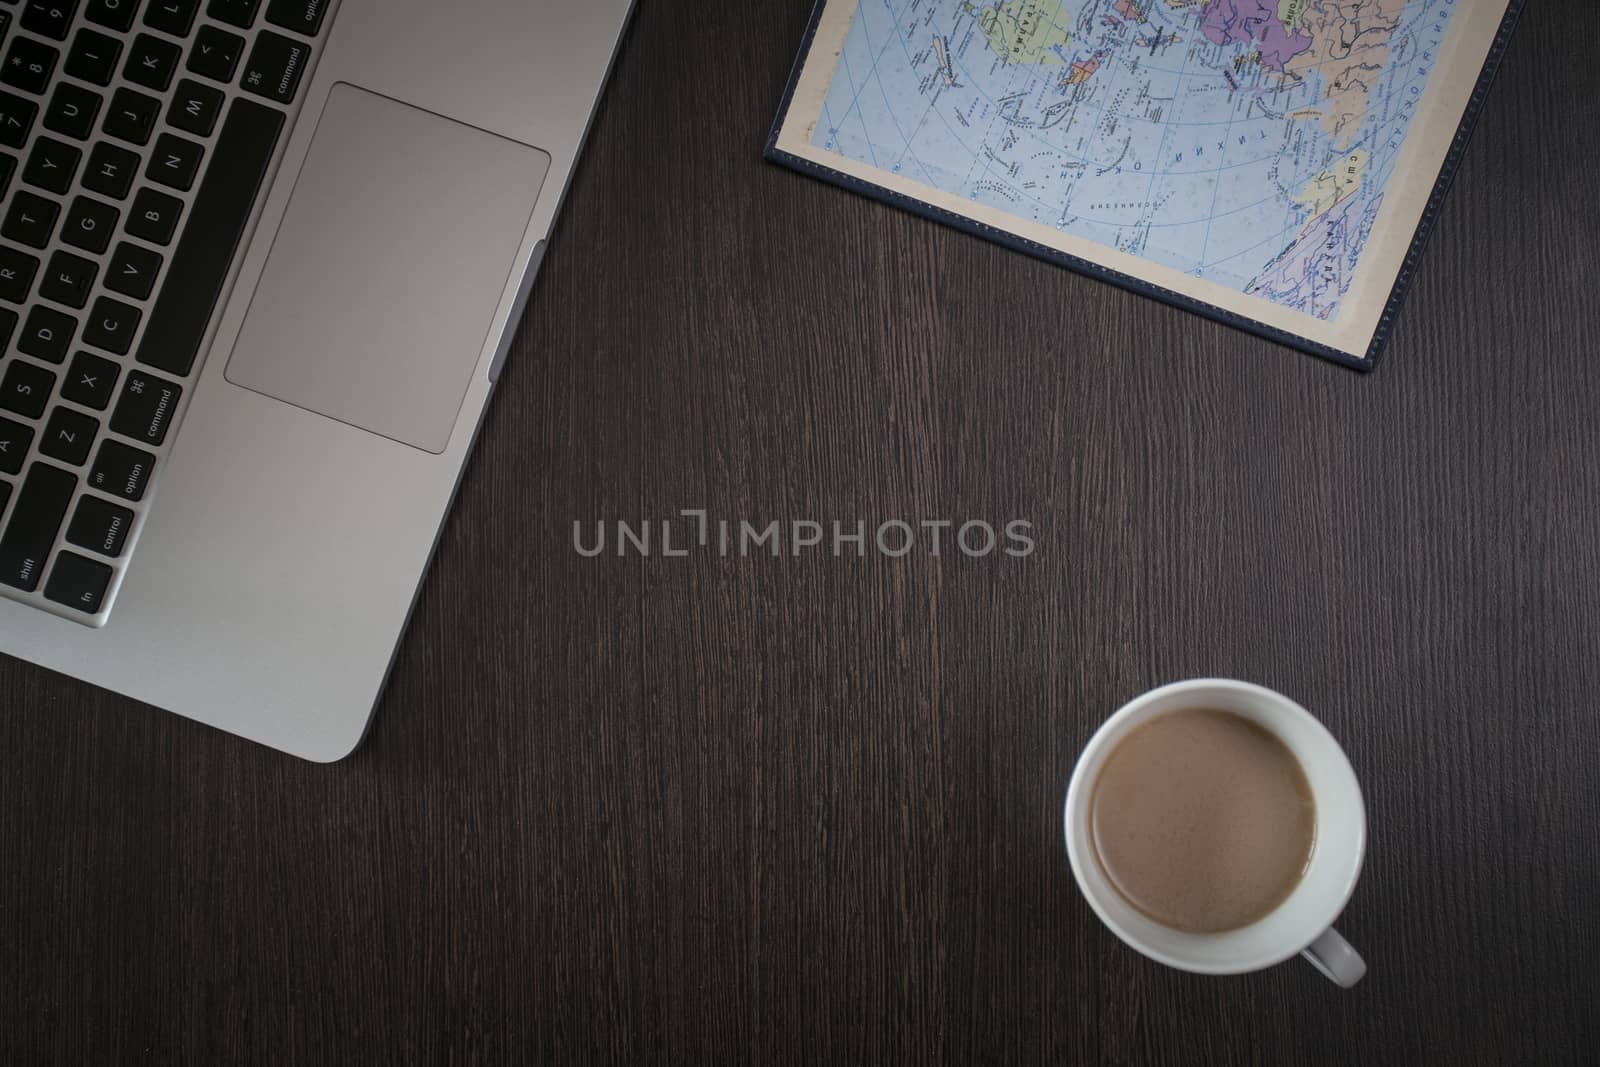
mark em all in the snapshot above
pixel 1217 826
pixel 1203 820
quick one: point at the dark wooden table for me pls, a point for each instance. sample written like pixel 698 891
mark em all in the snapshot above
pixel 705 810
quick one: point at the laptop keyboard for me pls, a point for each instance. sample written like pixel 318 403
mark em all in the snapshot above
pixel 135 138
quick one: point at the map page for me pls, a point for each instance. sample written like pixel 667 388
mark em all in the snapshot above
pixel 1246 146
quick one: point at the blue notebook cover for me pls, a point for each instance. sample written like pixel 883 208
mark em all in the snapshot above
pixel 1276 165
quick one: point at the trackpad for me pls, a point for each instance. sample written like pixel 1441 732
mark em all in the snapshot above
pixel 395 251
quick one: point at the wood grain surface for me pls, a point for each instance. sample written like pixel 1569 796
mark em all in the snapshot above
pixel 808 809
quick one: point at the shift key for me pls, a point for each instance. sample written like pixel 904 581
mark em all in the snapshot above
pixel 41 506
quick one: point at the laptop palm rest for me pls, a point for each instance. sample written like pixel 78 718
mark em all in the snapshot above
pixel 394 253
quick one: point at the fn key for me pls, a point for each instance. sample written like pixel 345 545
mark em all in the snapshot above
pixel 78 582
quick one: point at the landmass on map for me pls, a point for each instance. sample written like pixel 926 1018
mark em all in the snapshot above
pixel 1246 142
pixel 1024 32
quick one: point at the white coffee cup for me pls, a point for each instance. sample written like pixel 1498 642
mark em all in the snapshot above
pixel 1303 923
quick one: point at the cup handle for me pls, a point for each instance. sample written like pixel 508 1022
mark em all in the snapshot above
pixel 1333 956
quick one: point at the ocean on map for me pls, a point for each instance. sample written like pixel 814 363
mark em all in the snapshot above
pixel 1245 142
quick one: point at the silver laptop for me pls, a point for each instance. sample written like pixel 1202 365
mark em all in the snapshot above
pixel 260 265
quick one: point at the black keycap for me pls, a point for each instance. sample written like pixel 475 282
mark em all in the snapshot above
pixel 200 265
pixel 8 326
pixel 144 413
pixel 68 280
pixel 132 270
pixel 215 54
pixel 132 116
pixel 91 381
pixel 120 470
pixel 172 16
pixel 41 505
pixel 51 164
pixel 118 14
pixel 31 219
pixel 275 66
pixel 49 18
pixel 111 170
pixel 72 111
pixel 152 62
pixel 100 526
pixel 28 65
pixel 14 441
pixel 8 170
pixel 77 582
pixel 16 119
pixel 111 325
pixel 175 162
pixel 90 224
pixel 154 216
pixel 26 388
pixel 5 495
pixel 304 16
pixel 195 108
pixel 68 436
pixel 47 334
pixel 16 275
pixel 93 57
pixel 238 12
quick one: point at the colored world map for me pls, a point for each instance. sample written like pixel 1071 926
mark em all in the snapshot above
pixel 1249 143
